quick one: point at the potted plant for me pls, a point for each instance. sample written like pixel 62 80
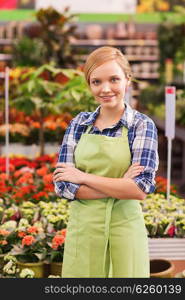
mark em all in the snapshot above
pixel 11 270
pixel 5 245
pixel 30 249
pixel 7 238
pixel 165 223
pixel 56 252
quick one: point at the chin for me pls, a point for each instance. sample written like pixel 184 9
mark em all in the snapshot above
pixel 111 103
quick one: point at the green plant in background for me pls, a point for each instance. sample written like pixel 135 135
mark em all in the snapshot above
pixel 170 37
pixel 28 52
pixel 48 40
pixel 180 107
pixel 56 31
pixel 152 100
pixel 164 218
pixel 78 96
pixel 40 92
pixel 52 90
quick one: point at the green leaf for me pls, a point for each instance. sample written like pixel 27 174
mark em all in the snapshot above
pixel 75 95
pixel 30 85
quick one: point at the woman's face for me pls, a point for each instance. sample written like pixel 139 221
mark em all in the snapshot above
pixel 108 83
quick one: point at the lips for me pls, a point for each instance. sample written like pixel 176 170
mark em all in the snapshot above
pixel 107 98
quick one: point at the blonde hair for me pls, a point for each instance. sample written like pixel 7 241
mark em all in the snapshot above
pixel 102 55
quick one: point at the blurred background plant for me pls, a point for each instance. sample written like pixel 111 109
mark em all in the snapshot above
pixel 163 218
pixel 39 92
pixel 29 52
pixel 47 40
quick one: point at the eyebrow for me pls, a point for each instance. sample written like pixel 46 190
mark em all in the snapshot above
pixel 110 77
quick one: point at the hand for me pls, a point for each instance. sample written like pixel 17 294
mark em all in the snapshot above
pixel 133 171
pixel 65 172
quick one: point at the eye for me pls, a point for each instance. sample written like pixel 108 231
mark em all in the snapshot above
pixel 95 81
pixel 114 79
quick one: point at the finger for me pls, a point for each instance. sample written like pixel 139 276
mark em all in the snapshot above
pixel 58 178
pixel 59 170
pixel 63 165
pixel 138 168
pixel 136 173
pixel 135 164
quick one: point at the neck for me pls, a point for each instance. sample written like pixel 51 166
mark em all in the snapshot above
pixel 110 114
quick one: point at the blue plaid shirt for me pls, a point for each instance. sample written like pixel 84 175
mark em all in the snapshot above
pixel 142 138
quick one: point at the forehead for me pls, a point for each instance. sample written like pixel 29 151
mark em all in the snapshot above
pixel 107 69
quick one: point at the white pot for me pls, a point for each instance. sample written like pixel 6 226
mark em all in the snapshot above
pixel 167 248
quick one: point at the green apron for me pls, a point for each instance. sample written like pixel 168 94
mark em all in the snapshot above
pixel 105 237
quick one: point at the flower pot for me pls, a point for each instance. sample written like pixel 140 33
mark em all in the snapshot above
pixel 167 248
pixel 36 267
pixel 1 262
pixel 180 275
pixel 161 268
pixel 56 268
pixel 46 269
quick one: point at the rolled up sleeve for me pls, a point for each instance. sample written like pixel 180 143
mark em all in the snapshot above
pixel 145 152
pixel 66 189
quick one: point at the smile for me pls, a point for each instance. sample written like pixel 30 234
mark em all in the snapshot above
pixel 106 98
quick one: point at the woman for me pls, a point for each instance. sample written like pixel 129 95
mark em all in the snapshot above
pixel 107 162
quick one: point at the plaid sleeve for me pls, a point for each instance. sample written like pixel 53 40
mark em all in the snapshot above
pixel 66 189
pixel 145 151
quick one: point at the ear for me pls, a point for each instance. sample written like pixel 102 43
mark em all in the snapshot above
pixel 127 84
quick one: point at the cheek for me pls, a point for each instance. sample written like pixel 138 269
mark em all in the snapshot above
pixel 94 90
pixel 121 88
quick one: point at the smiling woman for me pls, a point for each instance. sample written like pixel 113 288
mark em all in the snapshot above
pixel 107 162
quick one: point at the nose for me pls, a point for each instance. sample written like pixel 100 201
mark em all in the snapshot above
pixel 106 87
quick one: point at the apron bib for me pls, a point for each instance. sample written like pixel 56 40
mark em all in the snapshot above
pixel 105 237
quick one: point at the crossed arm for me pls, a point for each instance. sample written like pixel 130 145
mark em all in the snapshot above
pixel 97 187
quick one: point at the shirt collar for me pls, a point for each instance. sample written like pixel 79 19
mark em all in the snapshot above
pixel 92 117
pixel 127 118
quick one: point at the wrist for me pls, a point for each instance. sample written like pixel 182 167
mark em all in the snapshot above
pixel 86 178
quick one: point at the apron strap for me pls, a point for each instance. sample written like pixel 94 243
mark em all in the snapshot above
pixel 124 132
pixel 89 128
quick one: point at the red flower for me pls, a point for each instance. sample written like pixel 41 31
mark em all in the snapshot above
pixel 61 78
pixel 3 176
pixel 57 241
pixel 21 234
pixel 47 178
pixel 171 231
pixel 44 158
pixel 42 171
pixel 4 242
pixel 4 232
pixel 17 173
pixel 25 178
pixel 39 195
pixel 49 188
pixel 63 232
pixel 28 240
pixel 32 229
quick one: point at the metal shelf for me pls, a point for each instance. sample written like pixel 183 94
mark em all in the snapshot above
pixel 129 57
pixel 6 41
pixel 5 57
pixel 87 42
